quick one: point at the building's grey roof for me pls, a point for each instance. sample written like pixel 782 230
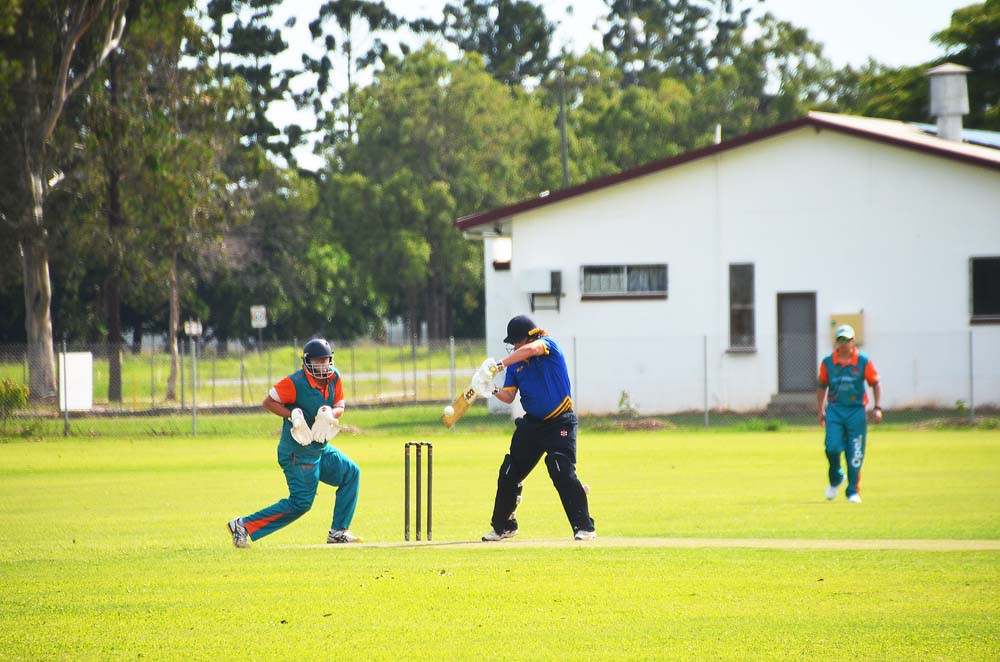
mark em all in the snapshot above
pixel 892 132
pixel 974 136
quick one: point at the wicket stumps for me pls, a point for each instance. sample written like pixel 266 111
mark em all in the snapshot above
pixel 406 478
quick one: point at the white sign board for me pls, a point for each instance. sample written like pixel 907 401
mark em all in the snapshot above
pixel 258 317
pixel 76 381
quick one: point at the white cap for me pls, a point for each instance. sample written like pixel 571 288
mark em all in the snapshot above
pixel 844 331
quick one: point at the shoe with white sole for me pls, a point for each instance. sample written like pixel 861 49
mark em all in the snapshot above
pixel 831 492
pixel 239 532
pixel 493 536
pixel 854 498
pixel 584 535
pixel 341 536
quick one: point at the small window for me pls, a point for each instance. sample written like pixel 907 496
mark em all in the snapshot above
pixel 741 312
pixel 985 289
pixel 627 280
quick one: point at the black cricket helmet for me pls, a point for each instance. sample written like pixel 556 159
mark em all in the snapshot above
pixel 521 328
pixel 317 348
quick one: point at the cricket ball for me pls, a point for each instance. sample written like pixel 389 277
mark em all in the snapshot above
pixel 449 411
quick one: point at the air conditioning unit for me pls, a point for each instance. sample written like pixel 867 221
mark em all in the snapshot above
pixel 543 287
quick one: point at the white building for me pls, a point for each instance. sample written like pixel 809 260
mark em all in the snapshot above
pixel 712 280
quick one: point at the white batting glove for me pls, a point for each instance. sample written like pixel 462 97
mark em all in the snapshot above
pixel 492 366
pixel 483 386
pixel 326 425
pixel 300 430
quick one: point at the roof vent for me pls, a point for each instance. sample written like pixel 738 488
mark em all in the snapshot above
pixel 949 98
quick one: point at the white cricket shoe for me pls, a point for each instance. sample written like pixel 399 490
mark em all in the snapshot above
pixel 584 535
pixel 239 532
pixel 493 536
pixel 854 498
pixel 831 492
pixel 341 536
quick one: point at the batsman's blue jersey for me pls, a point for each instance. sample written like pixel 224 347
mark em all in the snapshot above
pixel 543 382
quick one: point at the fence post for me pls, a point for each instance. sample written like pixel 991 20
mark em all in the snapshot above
pixel 402 368
pixel 180 365
pixel 704 360
pixel 972 363
pixel 152 374
pixel 193 346
pixel 63 384
pixel 242 375
pixel 354 376
pixel 451 359
pixel 378 373
pixel 576 382
pixel 413 359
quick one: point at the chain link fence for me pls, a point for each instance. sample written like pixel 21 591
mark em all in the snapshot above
pixel 685 380
pixel 211 378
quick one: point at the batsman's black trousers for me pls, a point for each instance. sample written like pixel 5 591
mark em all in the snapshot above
pixel 533 437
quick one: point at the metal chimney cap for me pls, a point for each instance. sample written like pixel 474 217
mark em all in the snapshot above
pixel 947 68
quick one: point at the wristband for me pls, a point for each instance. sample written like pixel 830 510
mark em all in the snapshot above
pixel 876 408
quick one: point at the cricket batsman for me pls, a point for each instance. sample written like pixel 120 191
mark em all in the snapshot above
pixel 311 402
pixel 537 368
pixel 841 388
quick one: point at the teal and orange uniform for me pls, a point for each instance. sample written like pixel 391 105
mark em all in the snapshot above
pixel 549 428
pixel 846 425
pixel 306 466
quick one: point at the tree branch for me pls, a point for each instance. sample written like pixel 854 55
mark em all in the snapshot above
pixel 80 22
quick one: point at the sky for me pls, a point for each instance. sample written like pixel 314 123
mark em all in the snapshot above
pixel 893 32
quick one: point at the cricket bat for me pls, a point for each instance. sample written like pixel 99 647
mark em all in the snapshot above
pixel 461 405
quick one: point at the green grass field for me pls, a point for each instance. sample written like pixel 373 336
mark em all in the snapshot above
pixel 713 545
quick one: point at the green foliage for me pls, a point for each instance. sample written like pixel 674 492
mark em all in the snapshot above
pixel 13 396
pixel 763 424
pixel 971 39
pixel 626 407
pixel 513 36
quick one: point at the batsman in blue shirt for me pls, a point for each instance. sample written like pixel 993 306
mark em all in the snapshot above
pixel 537 369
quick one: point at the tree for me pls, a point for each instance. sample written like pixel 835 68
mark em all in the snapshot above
pixel 513 36
pixel 247 52
pixel 52 50
pixel 971 39
pixel 436 138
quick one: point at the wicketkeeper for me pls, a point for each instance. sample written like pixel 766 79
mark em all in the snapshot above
pixel 311 401
pixel 537 368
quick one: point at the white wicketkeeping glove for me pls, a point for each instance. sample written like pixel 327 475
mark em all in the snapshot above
pixel 326 425
pixel 300 430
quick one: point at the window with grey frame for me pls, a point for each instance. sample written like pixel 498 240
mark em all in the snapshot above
pixel 985 275
pixel 624 280
pixel 742 336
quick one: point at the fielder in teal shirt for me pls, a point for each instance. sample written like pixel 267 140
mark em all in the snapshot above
pixel 841 399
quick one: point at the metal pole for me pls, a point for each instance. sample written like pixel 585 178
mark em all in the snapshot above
pixel 180 364
pixel 972 397
pixel 406 491
pixel 65 389
pixel 378 373
pixel 194 386
pixel 704 356
pixel 417 499
pixel 152 375
pixel 413 359
pixel 354 377
pixel 576 390
pixel 451 357
pixel 430 474
pixel 242 375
